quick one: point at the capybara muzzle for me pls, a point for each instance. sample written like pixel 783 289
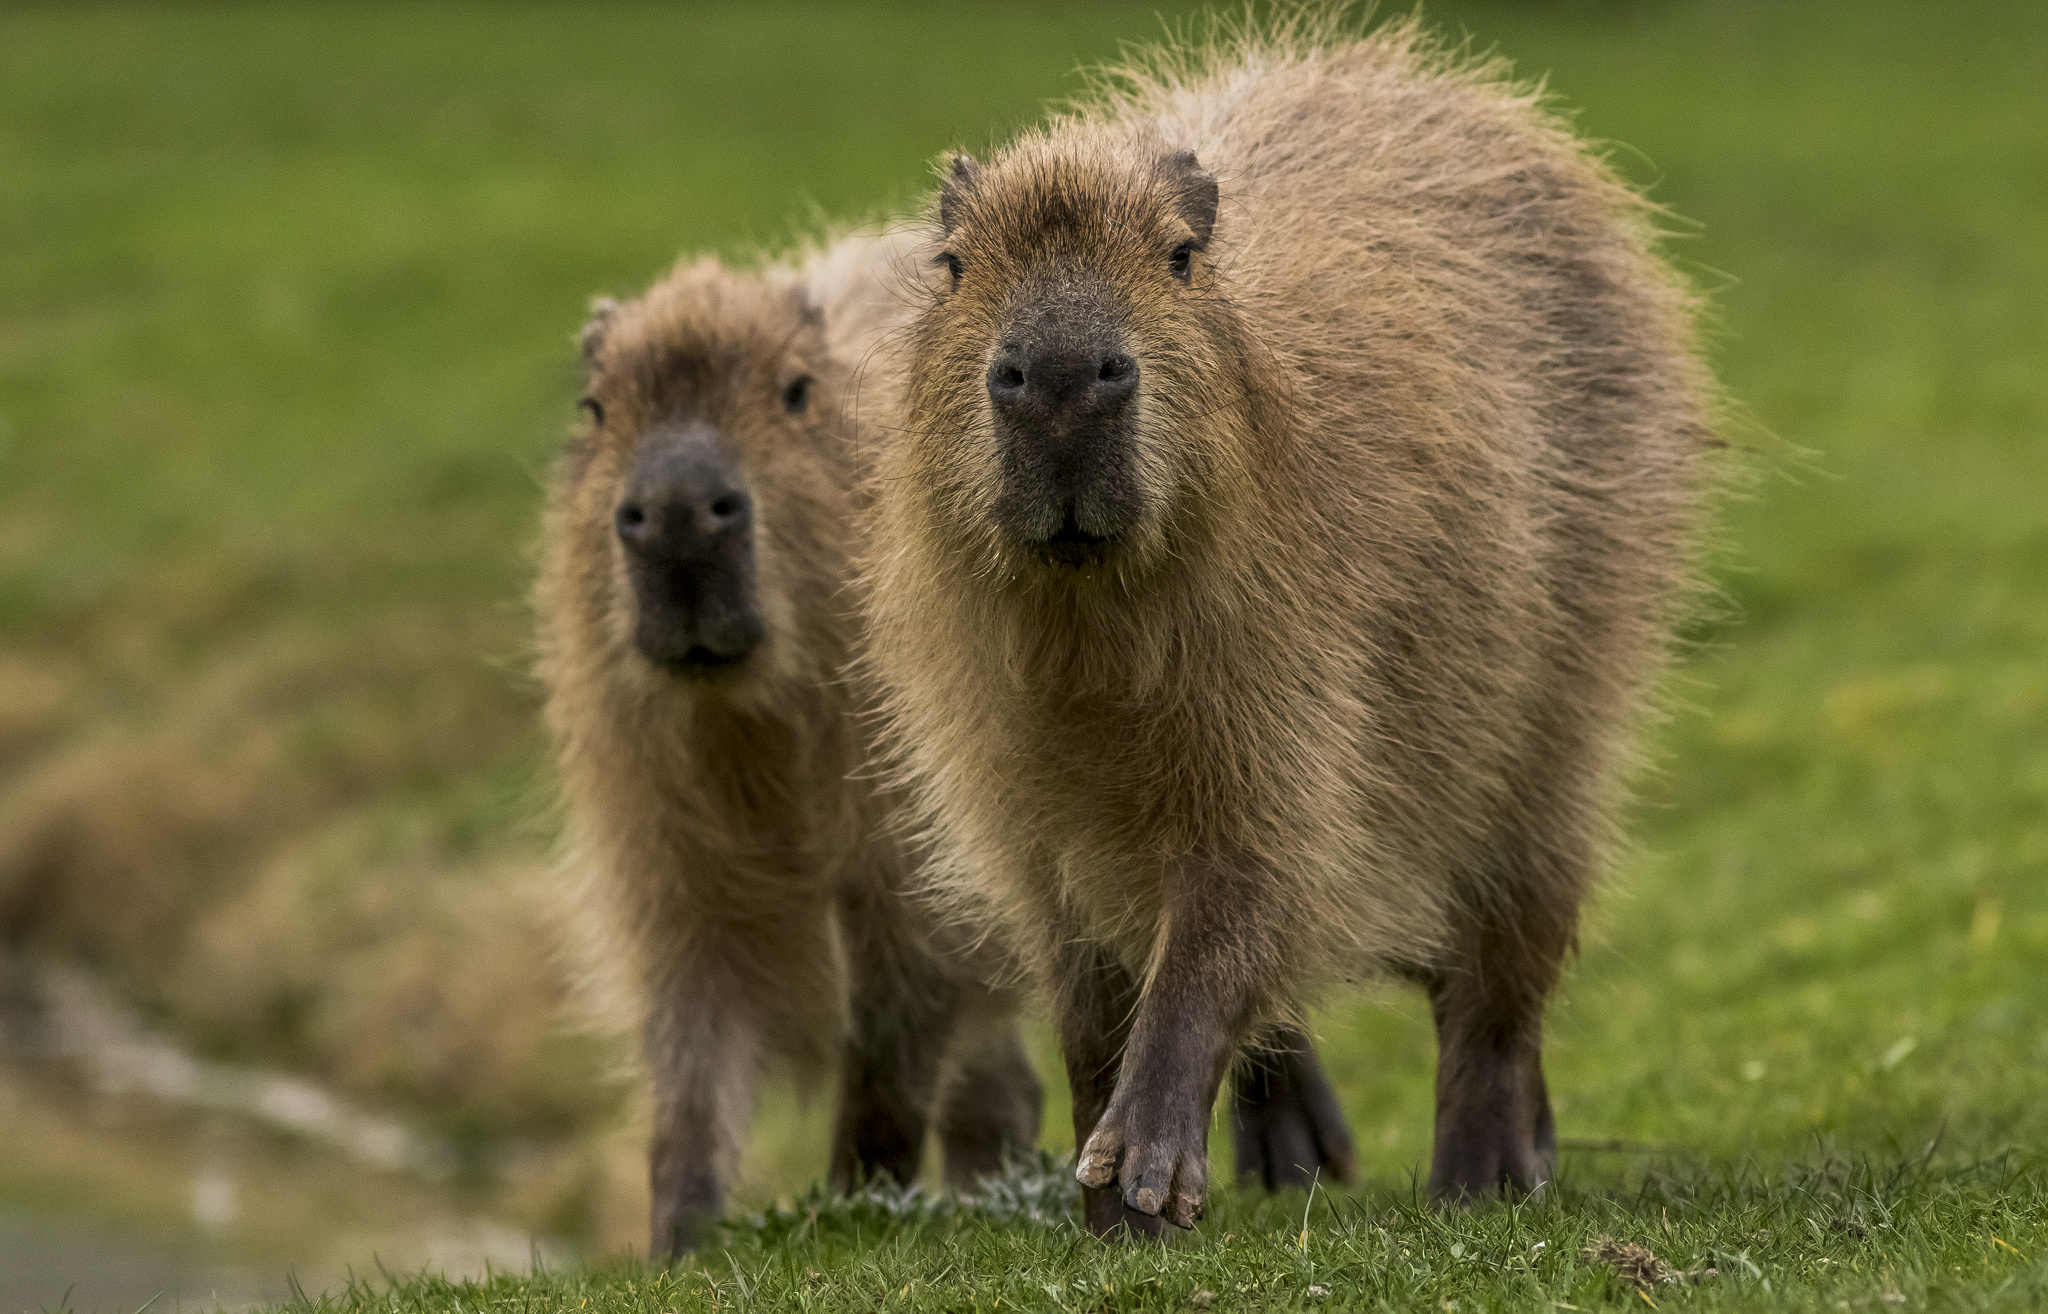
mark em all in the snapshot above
pixel 687 527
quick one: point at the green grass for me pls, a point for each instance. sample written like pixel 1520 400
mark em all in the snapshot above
pixel 285 321
pixel 1826 1235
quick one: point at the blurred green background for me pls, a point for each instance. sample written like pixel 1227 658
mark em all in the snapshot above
pixel 287 300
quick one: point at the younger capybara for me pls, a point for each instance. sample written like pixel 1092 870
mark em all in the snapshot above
pixel 1289 495
pixel 694 624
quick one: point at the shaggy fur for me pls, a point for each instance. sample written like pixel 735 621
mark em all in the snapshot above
pixel 746 885
pixel 1337 657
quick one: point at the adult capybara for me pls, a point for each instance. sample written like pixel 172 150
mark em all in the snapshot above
pixel 694 623
pixel 1292 493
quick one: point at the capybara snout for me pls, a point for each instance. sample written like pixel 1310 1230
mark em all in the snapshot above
pixel 685 522
pixel 1061 392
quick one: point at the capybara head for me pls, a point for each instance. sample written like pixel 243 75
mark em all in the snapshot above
pixel 1073 345
pixel 706 486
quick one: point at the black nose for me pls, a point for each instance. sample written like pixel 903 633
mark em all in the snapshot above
pixel 1062 385
pixel 686 523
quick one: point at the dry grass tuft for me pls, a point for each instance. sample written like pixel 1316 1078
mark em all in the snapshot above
pixel 274 863
pixel 1637 1265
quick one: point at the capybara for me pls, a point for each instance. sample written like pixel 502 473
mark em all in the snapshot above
pixel 694 623
pixel 1290 493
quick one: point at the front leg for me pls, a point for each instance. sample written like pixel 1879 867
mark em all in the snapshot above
pixel 703 1051
pixel 1216 966
pixel 905 1007
pixel 1093 998
pixel 1494 1129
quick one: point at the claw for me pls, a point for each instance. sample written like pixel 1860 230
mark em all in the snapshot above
pixel 1097 1167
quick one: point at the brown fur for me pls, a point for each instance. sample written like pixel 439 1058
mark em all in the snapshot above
pixel 748 889
pixel 1417 453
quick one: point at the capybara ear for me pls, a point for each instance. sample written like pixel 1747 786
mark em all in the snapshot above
pixel 798 296
pixel 1195 189
pixel 601 311
pixel 960 181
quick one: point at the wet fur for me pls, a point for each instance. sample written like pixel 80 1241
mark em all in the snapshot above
pixel 1419 452
pixel 733 856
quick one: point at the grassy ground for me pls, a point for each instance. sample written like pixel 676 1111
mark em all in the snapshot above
pixel 284 336
pixel 1822 1235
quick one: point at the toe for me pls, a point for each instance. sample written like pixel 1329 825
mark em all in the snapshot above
pixel 1148 1178
pixel 1097 1165
pixel 1190 1192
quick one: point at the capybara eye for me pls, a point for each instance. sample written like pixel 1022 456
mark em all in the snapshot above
pixel 952 264
pixel 1182 259
pixel 797 395
pixel 596 409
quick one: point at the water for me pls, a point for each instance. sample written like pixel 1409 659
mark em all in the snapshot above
pixel 47 1266
pixel 133 1174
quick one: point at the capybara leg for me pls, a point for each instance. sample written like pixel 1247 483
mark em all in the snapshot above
pixel 903 1017
pixel 1492 1113
pixel 992 1109
pixel 1153 1138
pixel 703 1055
pixel 1285 1119
pixel 1094 1008
pixel 1494 1130
pixel 688 1190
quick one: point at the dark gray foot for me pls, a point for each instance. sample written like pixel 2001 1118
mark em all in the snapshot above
pixel 1289 1129
pixel 990 1115
pixel 1494 1132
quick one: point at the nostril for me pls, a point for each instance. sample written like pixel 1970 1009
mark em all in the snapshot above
pixel 1116 379
pixel 631 518
pixel 1005 379
pixel 725 511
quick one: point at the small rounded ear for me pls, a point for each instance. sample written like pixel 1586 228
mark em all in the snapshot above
pixel 1194 194
pixel 810 311
pixel 601 311
pixel 961 181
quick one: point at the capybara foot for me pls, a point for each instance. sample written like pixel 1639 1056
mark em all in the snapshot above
pixel 1494 1131
pixel 1285 1119
pixel 1163 1169
pixel 1107 1216
pixel 688 1198
pixel 1493 1154
pixel 678 1230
